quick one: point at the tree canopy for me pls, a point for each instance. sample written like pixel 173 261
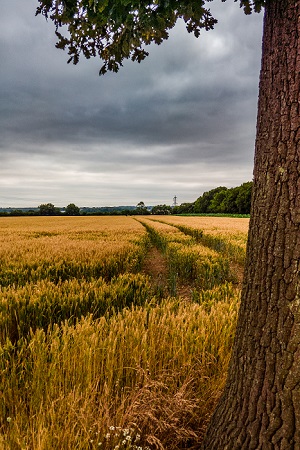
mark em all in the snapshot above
pixel 72 210
pixel 48 209
pixel 116 30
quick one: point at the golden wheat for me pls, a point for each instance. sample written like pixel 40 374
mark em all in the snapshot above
pixel 61 248
pixel 232 228
pixel 88 354
pixel 117 371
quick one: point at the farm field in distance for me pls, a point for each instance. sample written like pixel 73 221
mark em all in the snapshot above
pixel 115 332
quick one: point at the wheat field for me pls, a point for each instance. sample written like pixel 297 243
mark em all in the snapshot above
pixel 92 354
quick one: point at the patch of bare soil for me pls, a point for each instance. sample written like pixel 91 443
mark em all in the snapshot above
pixel 155 264
pixel 184 290
pixel 156 267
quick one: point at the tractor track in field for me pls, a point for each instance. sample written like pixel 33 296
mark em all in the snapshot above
pixel 165 284
pixel 156 267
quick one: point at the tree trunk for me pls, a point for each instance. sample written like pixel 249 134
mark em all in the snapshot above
pixel 260 407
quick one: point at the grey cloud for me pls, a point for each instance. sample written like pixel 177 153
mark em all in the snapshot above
pixel 186 113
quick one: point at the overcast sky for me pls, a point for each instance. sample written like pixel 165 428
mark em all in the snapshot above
pixel 180 123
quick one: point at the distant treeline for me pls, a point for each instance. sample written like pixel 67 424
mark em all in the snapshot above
pixel 235 200
pixel 48 209
pixel 222 200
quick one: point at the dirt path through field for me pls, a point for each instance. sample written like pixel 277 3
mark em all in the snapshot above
pixel 156 266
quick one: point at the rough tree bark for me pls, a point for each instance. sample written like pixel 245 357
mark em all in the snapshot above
pixel 260 407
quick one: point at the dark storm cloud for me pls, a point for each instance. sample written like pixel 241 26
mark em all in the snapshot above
pixel 182 120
